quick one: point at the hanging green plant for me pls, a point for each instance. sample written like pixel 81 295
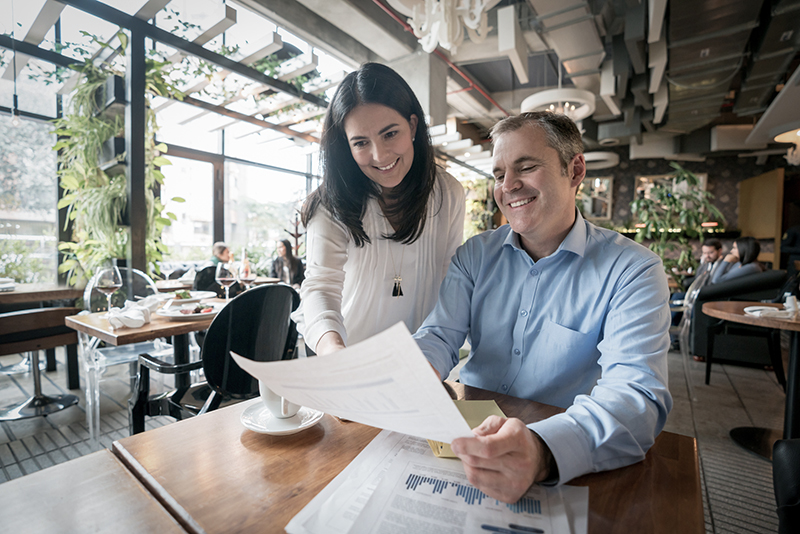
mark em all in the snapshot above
pixel 671 216
pixel 96 196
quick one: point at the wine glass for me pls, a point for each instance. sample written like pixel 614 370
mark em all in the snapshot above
pixel 226 276
pixel 245 273
pixel 108 282
pixel 166 270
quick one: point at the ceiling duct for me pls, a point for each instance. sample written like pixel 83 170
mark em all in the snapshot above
pixel 777 43
pixel 572 33
pixel 707 41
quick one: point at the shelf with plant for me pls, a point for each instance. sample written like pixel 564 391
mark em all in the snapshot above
pixel 671 216
pixel 96 199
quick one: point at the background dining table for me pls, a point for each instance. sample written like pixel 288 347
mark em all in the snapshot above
pixel 214 475
pixel 96 325
pixel 756 439
pixel 26 296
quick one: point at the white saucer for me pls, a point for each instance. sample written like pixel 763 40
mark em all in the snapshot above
pixel 259 419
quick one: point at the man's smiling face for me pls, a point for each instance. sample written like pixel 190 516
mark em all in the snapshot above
pixel 531 188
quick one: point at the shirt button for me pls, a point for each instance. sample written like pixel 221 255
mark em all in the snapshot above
pixel 524 313
pixel 505 387
pixel 516 351
pixel 534 272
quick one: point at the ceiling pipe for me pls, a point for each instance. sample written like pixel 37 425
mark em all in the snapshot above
pixel 444 58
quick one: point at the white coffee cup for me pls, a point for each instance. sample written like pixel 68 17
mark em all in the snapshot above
pixel 791 303
pixel 277 405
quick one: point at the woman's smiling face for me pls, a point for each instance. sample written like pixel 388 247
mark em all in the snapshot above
pixel 381 142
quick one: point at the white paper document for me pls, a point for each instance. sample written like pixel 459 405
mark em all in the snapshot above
pixel 348 497
pixel 428 494
pixel 384 382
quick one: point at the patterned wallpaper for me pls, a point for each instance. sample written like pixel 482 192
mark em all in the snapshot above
pixel 724 175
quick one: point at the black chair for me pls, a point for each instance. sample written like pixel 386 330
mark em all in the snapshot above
pixel 740 344
pixel 32 331
pixel 786 480
pixel 256 325
pixel 206 280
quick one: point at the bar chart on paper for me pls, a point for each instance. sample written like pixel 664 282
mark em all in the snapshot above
pixel 470 494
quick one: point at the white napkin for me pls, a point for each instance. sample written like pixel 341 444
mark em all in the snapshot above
pixel 188 276
pixel 769 311
pixel 7 284
pixel 133 314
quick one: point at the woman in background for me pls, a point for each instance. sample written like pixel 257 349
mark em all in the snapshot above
pixel 385 221
pixel 287 267
pixel 740 261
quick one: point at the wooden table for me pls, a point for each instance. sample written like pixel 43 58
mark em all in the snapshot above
pixel 755 439
pixel 215 475
pixel 166 286
pixel 39 292
pixel 93 493
pixel 96 325
pixel 260 280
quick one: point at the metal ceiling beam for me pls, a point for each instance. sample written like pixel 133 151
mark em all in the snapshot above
pixel 124 20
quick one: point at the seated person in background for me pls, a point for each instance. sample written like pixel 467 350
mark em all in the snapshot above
pixel 557 311
pixel 740 261
pixel 220 253
pixel 710 258
pixel 287 267
pixel 206 277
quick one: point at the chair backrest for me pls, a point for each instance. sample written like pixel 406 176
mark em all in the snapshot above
pixel 143 286
pixel 256 325
pixel 206 280
pixel 36 329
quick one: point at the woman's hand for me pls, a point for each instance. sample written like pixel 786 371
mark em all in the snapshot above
pixel 731 258
pixel 329 342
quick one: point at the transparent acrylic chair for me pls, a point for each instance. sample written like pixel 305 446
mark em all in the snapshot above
pixel 96 359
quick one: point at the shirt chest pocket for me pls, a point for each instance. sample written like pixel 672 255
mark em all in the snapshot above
pixel 560 342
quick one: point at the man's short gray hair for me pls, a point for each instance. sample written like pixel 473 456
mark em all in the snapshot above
pixel 561 133
pixel 218 248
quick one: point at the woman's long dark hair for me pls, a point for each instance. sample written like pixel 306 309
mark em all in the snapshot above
pixel 345 189
pixel 290 257
pixel 749 249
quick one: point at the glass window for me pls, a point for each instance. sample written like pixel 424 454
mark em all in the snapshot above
pixel 261 208
pixel 28 193
pixel 190 236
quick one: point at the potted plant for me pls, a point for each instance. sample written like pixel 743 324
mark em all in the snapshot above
pixel 672 215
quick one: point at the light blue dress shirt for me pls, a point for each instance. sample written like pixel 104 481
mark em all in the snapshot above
pixel 585 328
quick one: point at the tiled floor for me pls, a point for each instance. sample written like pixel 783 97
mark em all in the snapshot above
pixel 737 485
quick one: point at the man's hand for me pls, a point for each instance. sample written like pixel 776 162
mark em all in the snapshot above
pixel 329 342
pixel 504 458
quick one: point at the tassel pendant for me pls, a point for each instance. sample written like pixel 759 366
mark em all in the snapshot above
pixel 397 291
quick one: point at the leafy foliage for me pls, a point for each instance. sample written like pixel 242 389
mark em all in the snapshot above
pixel 672 216
pixel 480 207
pixel 17 262
pixel 96 201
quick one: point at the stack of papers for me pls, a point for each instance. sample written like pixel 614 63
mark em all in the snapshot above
pixel 397 483
pixel 7 284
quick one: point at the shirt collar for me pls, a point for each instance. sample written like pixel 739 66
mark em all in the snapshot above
pixel 574 242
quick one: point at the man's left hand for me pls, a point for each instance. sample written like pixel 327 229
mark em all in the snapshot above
pixel 504 458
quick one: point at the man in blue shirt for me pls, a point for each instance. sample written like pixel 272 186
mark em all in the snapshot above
pixel 558 311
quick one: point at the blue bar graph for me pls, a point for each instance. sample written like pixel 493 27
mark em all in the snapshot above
pixel 471 494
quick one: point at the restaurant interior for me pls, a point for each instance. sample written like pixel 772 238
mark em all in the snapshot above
pixel 142 132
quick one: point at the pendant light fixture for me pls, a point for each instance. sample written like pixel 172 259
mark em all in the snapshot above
pixel 15 105
pixel 576 104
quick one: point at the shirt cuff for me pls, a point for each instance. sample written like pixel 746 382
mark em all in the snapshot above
pixel 316 331
pixel 569 445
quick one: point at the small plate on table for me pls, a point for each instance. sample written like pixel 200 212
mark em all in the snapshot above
pixel 259 419
pixel 174 313
pixel 196 296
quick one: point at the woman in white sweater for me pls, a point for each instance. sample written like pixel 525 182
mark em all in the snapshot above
pixel 382 227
